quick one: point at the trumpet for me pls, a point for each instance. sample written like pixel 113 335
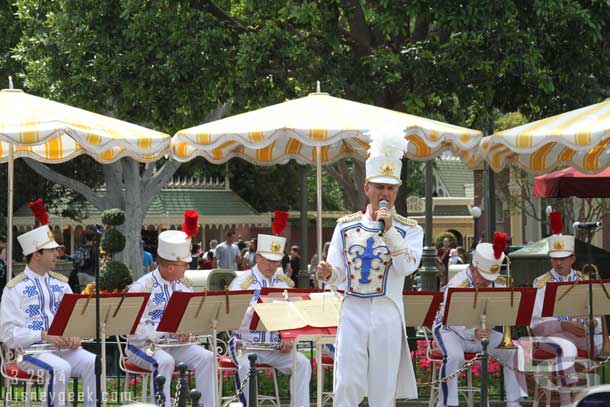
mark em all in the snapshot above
pixel 507 341
pixel 34 349
pixel 173 342
pixel 241 346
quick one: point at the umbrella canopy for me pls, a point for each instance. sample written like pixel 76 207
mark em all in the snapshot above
pixel 580 138
pixel 53 132
pixel 316 129
pixel 293 129
pixel 571 182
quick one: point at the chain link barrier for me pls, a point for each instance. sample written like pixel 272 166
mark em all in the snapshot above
pixel 461 370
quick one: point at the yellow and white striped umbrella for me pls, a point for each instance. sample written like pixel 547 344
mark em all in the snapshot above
pixel 293 129
pixel 52 132
pixel 579 138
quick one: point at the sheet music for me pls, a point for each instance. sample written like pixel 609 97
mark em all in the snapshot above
pixel 320 313
pixel 84 325
pixel 278 316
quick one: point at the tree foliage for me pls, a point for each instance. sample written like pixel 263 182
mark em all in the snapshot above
pixel 166 64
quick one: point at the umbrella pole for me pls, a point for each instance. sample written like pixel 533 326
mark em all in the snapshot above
pixel 319 201
pixel 9 213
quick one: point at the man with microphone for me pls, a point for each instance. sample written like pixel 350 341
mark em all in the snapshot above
pixel 370 254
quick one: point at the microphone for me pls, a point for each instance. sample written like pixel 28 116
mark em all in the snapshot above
pixel 383 204
pixel 586 225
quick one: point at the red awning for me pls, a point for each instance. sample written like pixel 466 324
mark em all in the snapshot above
pixel 570 182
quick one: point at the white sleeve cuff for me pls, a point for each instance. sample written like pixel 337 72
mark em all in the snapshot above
pixel 394 241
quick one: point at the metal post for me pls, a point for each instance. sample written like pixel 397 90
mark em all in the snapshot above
pixel 252 381
pixel 428 270
pixel 159 394
pixel 484 372
pixel 303 280
pixel 182 394
pixel 195 395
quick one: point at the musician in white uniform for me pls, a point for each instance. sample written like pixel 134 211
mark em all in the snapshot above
pixel 267 273
pixel 572 332
pixel 372 355
pixel 28 306
pixel 174 258
pixel 455 340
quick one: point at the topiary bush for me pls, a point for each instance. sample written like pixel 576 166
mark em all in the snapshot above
pixel 112 241
pixel 113 217
pixel 438 242
pixel 114 275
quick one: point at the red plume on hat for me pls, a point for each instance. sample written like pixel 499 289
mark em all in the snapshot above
pixel 556 222
pixel 500 243
pixel 280 219
pixel 191 223
pixel 39 211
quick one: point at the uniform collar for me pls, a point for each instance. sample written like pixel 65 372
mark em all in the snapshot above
pixel 32 275
pixel 258 276
pixel 157 275
pixel 559 277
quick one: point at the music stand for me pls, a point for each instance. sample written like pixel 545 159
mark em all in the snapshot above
pixel 420 307
pixel 488 307
pixel 205 313
pixel 275 302
pixel 76 317
pixel 578 299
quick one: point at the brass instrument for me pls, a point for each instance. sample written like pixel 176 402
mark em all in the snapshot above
pixel 173 342
pixel 34 349
pixel 241 346
pixel 507 341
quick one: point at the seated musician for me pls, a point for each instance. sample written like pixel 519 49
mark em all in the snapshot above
pixel 265 274
pixel 27 309
pixel 561 253
pixel 453 341
pixel 174 252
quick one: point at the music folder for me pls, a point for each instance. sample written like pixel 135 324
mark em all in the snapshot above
pixel 120 313
pixel 421 307
pixel 571 299
pixel 202 313
pixel 501 306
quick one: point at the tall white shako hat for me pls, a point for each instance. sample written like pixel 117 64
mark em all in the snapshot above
pixel 488 257
pixel 271 247
pixel 385 156
pixel 40 238
pixel 175 244
pixel 559 245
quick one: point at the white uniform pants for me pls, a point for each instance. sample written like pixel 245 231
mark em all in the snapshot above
pixel 57 368
pixel 280 361
pixel 367 355
pixel 163 363
pixel 453 348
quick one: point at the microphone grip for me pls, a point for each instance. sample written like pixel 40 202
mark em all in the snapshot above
pixel 381 226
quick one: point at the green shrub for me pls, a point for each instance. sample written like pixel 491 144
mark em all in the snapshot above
pixel 114 276
pixel 438 242
pixel 113 241
pixel 113 217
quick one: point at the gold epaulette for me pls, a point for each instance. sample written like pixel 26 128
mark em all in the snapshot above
pixel 58 276
pixel 149 285
pixel 543 280
pixel 16 280
pixel 286 279
pixel 404 220
pixel 350 218
pixel 186 281
pixel 247 282
pixel 501 280
pixel 582 275
pixel 464 284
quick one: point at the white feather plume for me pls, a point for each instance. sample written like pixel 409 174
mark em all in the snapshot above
pixel 388 142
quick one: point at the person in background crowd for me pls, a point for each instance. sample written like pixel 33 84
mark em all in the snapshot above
pixel 148 259
pixel 250 255
pixel 205 263
pixel 227 253
pixel 194 257
pixel 295 264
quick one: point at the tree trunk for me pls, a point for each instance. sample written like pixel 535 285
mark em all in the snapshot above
pixel 126 189
pixel 351 179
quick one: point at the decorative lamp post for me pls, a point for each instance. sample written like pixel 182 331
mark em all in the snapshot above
pixel 475 212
